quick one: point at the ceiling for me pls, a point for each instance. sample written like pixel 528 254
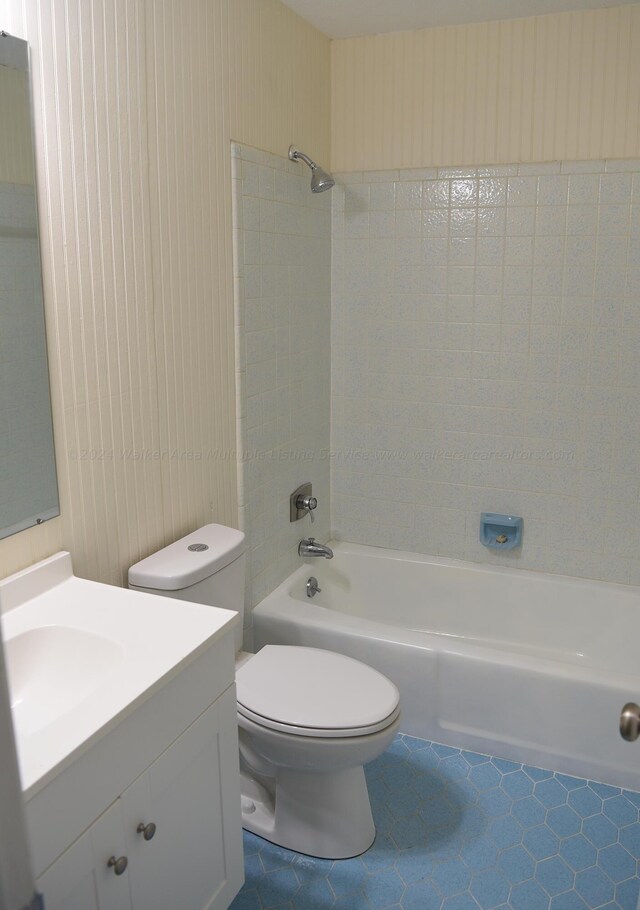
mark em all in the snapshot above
pixel 347 18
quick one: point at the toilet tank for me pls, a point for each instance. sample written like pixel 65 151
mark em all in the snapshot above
pixel 205 567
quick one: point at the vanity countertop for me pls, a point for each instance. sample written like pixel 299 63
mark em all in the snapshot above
pixel 81 656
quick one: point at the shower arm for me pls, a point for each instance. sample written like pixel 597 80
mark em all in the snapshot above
pixel 295 154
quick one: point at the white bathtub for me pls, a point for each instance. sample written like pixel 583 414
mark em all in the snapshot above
pixel 529 667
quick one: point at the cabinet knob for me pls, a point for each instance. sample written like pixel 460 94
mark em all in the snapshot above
pixel 630 722
pixel 118 865
pixel 147 831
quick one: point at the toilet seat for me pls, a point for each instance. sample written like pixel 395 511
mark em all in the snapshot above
pixel 318 732
pixel 312 692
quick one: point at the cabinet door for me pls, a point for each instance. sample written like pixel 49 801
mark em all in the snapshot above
pixel 81 878
pixel 192 796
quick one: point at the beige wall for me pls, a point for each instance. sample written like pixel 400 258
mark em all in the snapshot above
pixel 137 102
pixel 558 87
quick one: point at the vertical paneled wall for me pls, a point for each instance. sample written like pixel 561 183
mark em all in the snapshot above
pixel 279 75
pixel 136 105
pixel 561 86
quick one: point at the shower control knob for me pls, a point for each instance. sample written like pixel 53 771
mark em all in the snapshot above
pixel 307 504
pixel 302 502
pixel 630 722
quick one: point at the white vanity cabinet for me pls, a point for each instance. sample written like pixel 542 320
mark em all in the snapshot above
pixel 81 879
pixel 130 721
pixel 191 795
pixel 191 858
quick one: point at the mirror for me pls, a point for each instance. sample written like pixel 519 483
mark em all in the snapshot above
pixel 28 486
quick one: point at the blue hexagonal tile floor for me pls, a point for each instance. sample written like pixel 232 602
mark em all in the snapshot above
pixel 461 831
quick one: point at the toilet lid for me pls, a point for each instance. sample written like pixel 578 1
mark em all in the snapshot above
pixel 318 691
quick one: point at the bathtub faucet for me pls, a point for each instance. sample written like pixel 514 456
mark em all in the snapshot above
pixel 311 547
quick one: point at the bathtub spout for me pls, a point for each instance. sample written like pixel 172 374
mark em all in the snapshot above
pixel 311 547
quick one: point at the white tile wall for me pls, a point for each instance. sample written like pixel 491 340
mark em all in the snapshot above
pixel 283 309
pixel 486 356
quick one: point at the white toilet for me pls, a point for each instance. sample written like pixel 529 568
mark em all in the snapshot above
pixel 308 719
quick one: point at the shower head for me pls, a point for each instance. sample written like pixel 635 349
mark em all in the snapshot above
pixel 321 180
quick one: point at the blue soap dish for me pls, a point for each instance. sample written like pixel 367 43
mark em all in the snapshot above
pixel 501 532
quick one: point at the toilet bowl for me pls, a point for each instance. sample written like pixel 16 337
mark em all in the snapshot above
pixel 308 719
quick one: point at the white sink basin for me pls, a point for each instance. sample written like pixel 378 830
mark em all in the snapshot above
pixel 82 655
pixel 53 669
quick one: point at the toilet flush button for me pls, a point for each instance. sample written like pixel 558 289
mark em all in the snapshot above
pixel 198 547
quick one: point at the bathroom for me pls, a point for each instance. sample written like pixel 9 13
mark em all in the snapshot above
pixel 451 330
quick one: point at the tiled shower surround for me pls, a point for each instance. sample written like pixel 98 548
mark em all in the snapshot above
pixel 486 357
pixel 283 311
